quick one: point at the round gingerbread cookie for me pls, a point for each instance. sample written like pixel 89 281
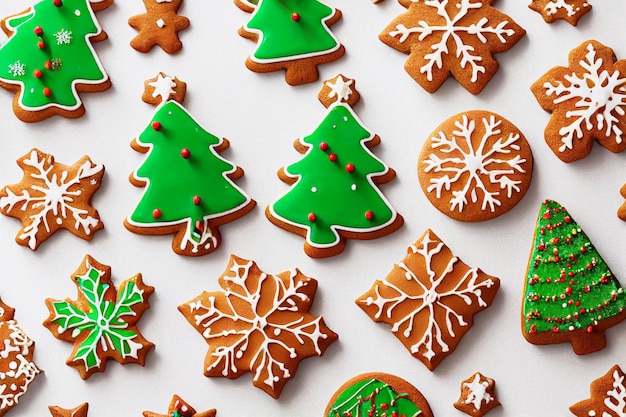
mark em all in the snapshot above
pixel 475 166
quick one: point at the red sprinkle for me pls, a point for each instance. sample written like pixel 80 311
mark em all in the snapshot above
pixel 57 3
pixel 185 153
pixel 157 213
pixel 156 126
pixel 199 226
pixel 332 157
pixel 41 45
pixel 37 73
pixel 312 217
pixel 47 92
pixel 590 329
pixel 295 17
pixel 369 215
pixel 350 168
pixel 324 146
pixel 38 31
pixel 197 200
pixel 47 65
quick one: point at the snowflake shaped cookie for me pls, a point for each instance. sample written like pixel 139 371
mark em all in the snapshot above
pixel 17 369
pixel 569 10
pixel 608 396
pixel 475 166
pixel 477 395
pixel 452 37
pixel 53 196
pixel 429 299
pixel 102 321
pixel 587 100
pixel 260 323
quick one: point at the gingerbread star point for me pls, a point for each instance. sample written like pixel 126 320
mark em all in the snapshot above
pixel 80 411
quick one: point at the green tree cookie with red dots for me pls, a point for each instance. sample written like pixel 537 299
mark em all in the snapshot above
pixel 334 194
pixel 570 293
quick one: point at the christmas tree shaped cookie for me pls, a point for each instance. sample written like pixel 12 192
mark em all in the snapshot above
pixel 334 194
pixel 179 408
pixel 377 394
pixel 189 188
pixel 49 58
pixel 455 38
pixel 570 294
pixel 259 323
pixel 102 321
pixel 17 369
pixel 293 35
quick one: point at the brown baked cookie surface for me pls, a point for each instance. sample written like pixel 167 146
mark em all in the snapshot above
pixel 568 10
pixel 159 26
pixel 608 394
pixel 179 408
pixel 475 166
pixel 478 395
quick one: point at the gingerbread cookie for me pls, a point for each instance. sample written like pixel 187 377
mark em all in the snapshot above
pixel 53 196
pixel 159 26
pixel 570 294
pixel 80 411
pixel 49 58
pixel 179 408
pixel 429 299
pixel 478 395
pixel 378 394
pixel 475 166
pixel 189 188
pixel 568 10
pixel 334 194
pixel 291 35
pixel 260 323
pixel 608 396
pixel 17 369
pixel 621 212
pixel 587 100
pixel 162 88
pixel 456 37
pixel 102 321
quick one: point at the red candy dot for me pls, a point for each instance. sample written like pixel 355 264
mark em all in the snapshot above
pixel 38 31
pixel 324 146
pixel 185 153
pixel 332 157
pixel 57 3
pixel 312 217
pixel 369 215
pixel 197 200
pixel 157 213
pixel 156 126
pixel 47 65
pixel 199 226
pixel 37 73
pixel 47 92
pixel 350 168
pixel 41 45
pixel 295 17
pixel 590 329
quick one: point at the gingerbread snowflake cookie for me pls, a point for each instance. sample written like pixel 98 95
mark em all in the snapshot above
pixel 259 323
pixel 291 35
pixel 80 411
pixel 377 394
pixel 478 395
pixel 429 299
pixel 570 294
pixel 53 196
pixel 475 166
pixel 49 58
pixel 569 10
pixel 587 100
pixel 608 396
pixel 17 369
pixel 102 321
pixel 179 408
pixel 159 26
pixel 455 37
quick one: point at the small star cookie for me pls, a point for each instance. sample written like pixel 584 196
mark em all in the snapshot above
pixel 164 88
pixel 80 411
pixel 159 26
pixel 477 395
pixel 568 10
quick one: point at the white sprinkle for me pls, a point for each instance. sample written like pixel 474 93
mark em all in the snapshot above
pixel 160 23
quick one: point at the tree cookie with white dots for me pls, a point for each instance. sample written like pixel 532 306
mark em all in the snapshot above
pixel 334 194
pixel 189 188
pixel 475 166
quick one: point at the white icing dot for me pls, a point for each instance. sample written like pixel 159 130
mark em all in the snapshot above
pixel 239 354
pixel 32 90
pixel 276 332
pixel 592 413
pixel 313 189
pixel 160 23
pixel 184 408
pixel 77 12
pixel 169 112
pixel 353 187
pixel 276 379
pixel 13 365
pixel 334 126
pixel 345 118
pixel 571 328
pixel 564 305
pixel 13 387
pixel 59 221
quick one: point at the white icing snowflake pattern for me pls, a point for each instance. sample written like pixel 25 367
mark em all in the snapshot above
pixel 17 69
pixel 616 398
pixel 418 301
pixel 477 392
pixel 242 329
pixel 341 88
pixel 554 6
pixel 480 168
pixel 452 29
pixel 63 37
pixel 163 87
pixel 600 99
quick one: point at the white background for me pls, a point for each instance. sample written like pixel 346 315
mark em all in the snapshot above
pixel 262 115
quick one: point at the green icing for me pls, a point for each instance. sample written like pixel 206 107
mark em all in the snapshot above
pixel 103 321
pixel 370 398
pixel 569 286
pixel 20 56
pixel 339 199
pixel 174 181
pixel 283 38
